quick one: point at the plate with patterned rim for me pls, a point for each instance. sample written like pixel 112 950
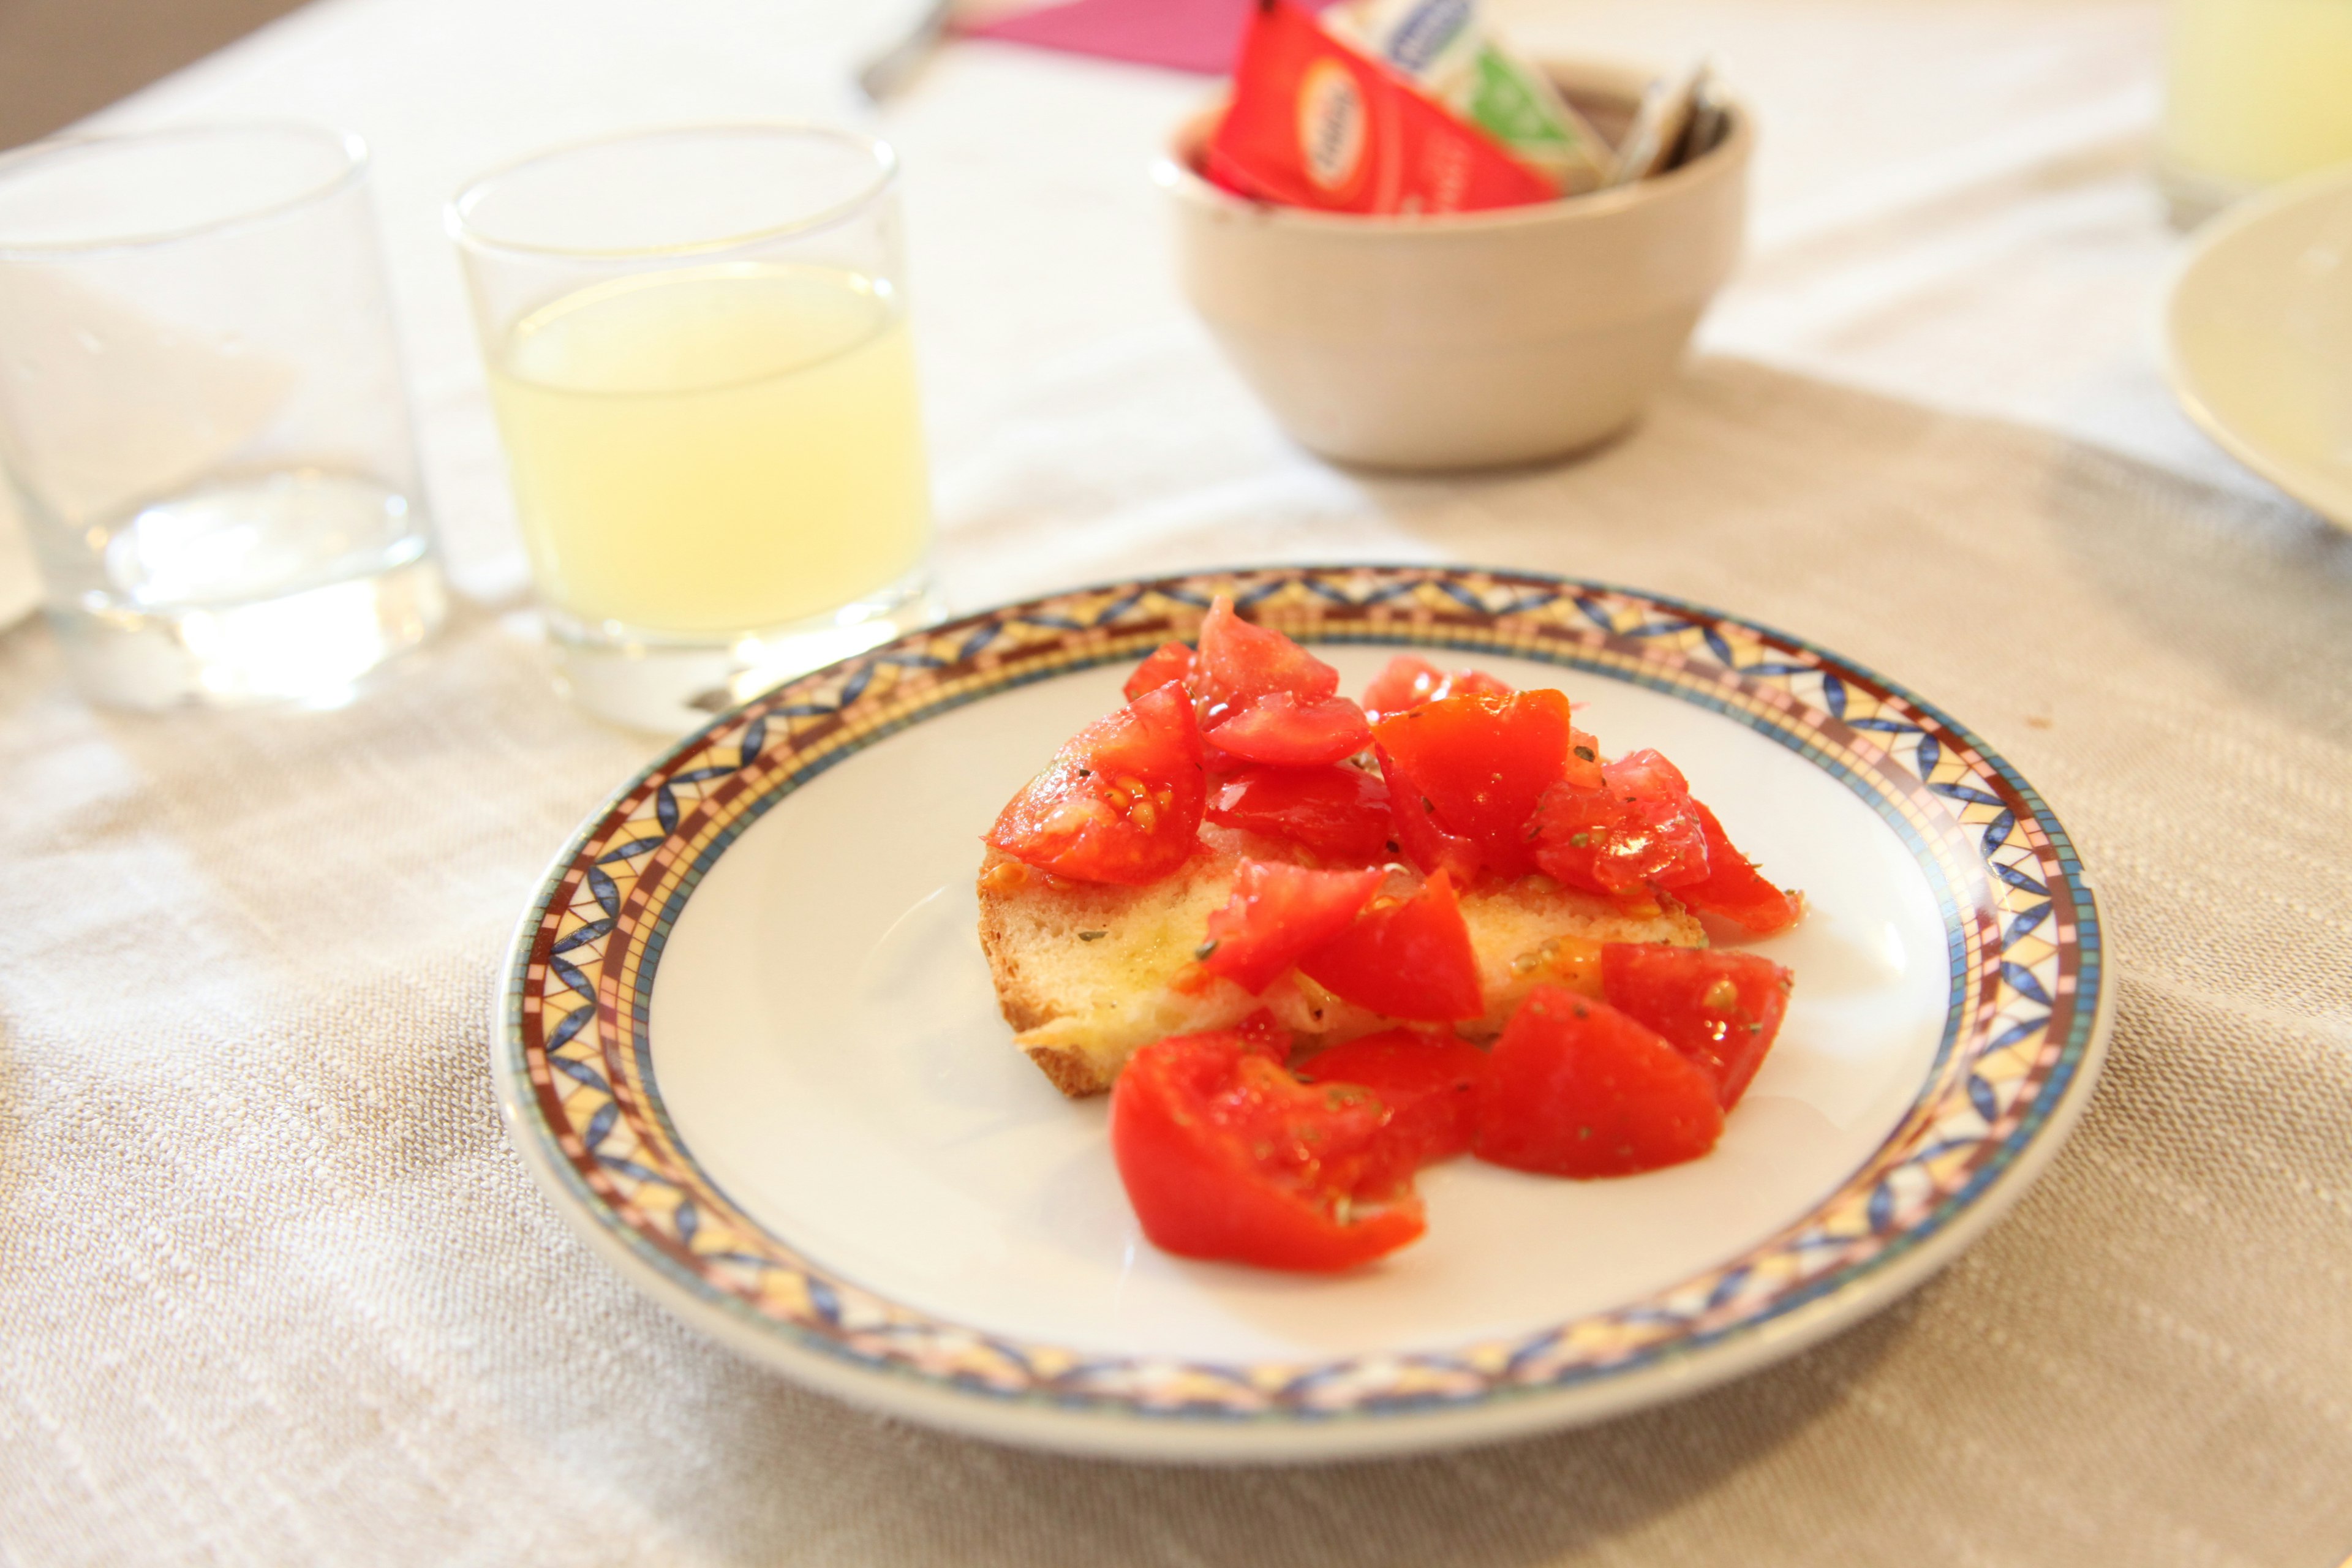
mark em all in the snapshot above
pixel 747 1041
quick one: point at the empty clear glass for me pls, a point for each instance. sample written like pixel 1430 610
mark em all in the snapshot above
pixel 203 415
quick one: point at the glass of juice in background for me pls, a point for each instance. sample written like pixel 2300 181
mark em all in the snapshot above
pixel 2256 91
pixel 203 419
pixel 698 349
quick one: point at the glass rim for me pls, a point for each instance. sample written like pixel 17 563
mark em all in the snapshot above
pixel 472 237
pixel 353 147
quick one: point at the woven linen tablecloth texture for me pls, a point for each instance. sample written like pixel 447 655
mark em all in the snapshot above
pixel 274 1288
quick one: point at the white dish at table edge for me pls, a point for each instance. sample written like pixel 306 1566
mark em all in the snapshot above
pixel 845 1203
pixel 2251 349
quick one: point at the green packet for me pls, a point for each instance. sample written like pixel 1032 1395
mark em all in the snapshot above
pixel 1439 46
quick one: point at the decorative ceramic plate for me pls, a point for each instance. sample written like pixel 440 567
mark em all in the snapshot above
pixel 2257 332
pixel 749 1042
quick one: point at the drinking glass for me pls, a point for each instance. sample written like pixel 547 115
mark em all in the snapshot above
pixel 2256 91
pixel 698 350
pixel 203 416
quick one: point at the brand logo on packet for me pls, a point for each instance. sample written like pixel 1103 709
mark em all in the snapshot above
pixel 1426 33
pixel 1330 124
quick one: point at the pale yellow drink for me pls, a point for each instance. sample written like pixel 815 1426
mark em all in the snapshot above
pixel 709 451
pixel 2257 90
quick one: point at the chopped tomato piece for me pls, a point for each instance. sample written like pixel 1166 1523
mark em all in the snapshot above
pixel 1168 661
pixel 1422 839
pixel 1340 813
pixel 1225 1155
pixel 1240 663
pixel 1480 764
pixel 1120 803
pixel 1732 886
pixel 1639 827
pixel 1409 681
pixel 1575 1087
pixel 1280 730
pixel 1276 913
pixel 1409 959
pixel 1219 764
pixel 1720 1009
pixel 1430 1083
pixel 1584 768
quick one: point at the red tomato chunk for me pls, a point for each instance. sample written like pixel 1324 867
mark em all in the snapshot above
pixel 1259 697
pixel 1340 813
pixel 1641 825
pixel 1423 839
pixel 1409 959
pixel 1430 1083
pixel 1225 1155
pixel 1277 914
pixel 1279 730
pixel 1168 661
pixel 1575 1087
pixel 1121 803
pixel 1240 663
pixel 1720 1009
pixel 1732 888
pixel 1409 681
pixel 1478 764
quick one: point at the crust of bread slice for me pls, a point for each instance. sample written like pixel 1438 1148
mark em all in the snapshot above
pixel 1087 972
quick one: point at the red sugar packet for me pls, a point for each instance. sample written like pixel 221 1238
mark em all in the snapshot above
pixel 1314 124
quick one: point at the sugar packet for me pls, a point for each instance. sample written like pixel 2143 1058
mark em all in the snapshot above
pixel 1442 48
pixel 1317 123
pixel 1661 135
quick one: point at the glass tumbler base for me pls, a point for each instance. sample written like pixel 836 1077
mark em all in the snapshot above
pixel 309 648
pixel 669 685
pixel 2191 195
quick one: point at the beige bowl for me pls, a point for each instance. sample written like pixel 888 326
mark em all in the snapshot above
pixel 1464 341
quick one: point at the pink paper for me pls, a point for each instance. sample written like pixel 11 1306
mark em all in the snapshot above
pixel 1201 36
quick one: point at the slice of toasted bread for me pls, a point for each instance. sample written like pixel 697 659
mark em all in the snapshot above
pixel 1086 972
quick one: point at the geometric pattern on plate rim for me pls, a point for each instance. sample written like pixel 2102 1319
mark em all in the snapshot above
pixel 2022 927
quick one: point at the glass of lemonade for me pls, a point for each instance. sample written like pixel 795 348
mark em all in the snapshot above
pixel 2256 91
pixel 698 349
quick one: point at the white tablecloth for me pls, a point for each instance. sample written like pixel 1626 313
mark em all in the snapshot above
pixel 272 1287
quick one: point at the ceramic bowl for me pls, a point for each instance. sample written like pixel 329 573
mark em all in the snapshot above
pixel 1466 340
